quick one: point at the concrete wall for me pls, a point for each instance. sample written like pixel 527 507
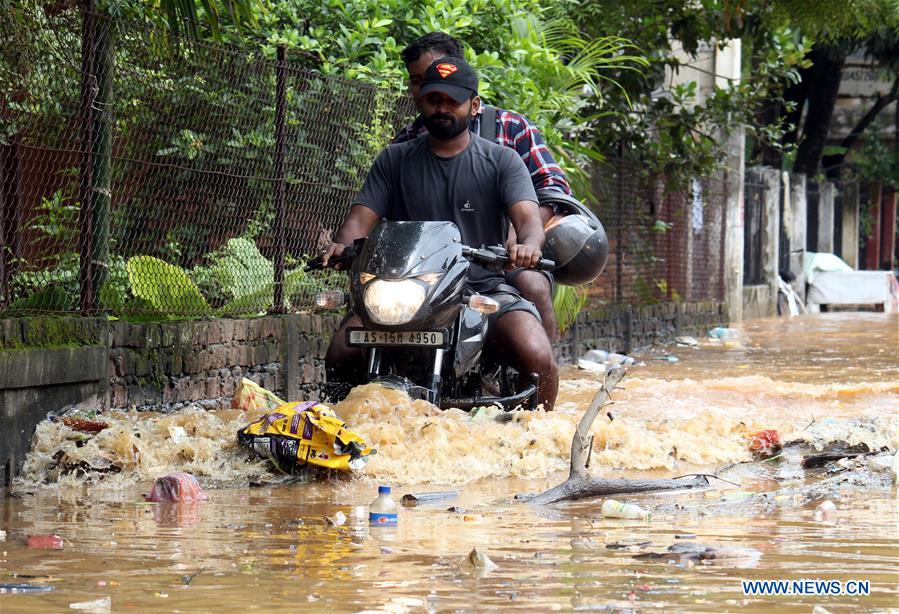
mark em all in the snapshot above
pixel 167 365
pixel 624 328
pixel 796 231
pixel 733 224
pixel 849 228
pixel 826 191
pixel 46 364
pixel 50 364
pixel 760 301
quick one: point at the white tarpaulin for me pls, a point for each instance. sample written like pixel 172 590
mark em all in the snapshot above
pixel 854 288
pixel 833 282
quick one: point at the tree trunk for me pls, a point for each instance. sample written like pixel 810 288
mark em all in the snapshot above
pixel 769 114
pixel 826 72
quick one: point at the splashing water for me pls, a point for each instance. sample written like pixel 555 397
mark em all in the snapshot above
pixel 819 379
pixel 658 424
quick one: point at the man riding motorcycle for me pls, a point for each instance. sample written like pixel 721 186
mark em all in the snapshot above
pixel 511 130
pixel 451 174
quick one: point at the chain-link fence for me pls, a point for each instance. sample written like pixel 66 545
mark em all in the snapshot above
pixel 147 174
pixel 664 244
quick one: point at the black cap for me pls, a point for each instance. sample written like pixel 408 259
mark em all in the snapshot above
pixel 452 76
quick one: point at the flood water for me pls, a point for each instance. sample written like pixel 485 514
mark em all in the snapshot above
pixel 821 378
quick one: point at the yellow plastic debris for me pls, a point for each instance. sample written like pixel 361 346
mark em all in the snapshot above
pixel 305 433
pixel 250 396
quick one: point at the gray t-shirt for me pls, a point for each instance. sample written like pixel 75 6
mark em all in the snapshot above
pixel 474 189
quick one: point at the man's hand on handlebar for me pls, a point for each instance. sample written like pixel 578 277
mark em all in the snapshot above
pixel 525 256
pixel 333 251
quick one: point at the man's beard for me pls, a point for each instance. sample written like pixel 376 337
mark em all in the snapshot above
pixel 444 126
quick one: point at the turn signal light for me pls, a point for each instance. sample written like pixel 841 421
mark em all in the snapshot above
pixel 330 299
pixel 483 304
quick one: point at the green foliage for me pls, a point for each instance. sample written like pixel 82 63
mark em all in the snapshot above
pixel 877 162
pixel 531 59
pixel 166 288
pixel 236 269
pixel 56 287
pixel 53 298
pixel 568 301
pixel 56 219
pixel 832 20
pixel 300 288
pixel 669 126
pixel 198 18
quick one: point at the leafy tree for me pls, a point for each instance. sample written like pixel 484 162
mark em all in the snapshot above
pixel 834 29
pixel 670 130
pixel 530 58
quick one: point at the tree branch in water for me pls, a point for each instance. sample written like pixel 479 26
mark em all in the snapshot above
pixel 580 485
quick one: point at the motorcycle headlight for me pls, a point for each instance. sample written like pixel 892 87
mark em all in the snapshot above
pixel 393 302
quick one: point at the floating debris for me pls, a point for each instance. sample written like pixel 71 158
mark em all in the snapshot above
pixel 177 487
pixel 480 561
pixel 703 553
pixel 589 365
pixel 337 520
pixel 616 509
pixel 826 510
pixel 85 426
pixel 629 546
pixel 413 499
pixel 45 542
pixel 98 605
pixel 24 588
pixel 766 443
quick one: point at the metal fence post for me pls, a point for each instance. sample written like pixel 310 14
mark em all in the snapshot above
pixel 95 189
pixel 280 182
pixel 10 215
pixel 86 145
pixel 619 222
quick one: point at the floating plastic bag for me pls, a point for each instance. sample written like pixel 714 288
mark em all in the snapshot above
pixel 305 433
pixel 176 488
pixel 765 443
pixel 250 396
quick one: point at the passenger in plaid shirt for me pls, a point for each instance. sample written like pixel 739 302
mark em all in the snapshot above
pixel 513 130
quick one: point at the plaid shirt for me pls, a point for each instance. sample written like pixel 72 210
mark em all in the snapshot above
pixel 515 131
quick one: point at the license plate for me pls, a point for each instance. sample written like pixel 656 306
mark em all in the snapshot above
pixel 429 338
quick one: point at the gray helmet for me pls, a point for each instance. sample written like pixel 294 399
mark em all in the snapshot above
pixel 575 239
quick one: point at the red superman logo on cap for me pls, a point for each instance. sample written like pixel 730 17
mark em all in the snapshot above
pixel 446 69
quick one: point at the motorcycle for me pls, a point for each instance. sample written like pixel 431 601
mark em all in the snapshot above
pixel 423 331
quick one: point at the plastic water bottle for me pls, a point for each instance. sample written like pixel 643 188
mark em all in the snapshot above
pixel 722 333
pixel 382 511
pixel 617 509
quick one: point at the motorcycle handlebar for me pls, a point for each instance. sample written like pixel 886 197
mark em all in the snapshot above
pixel 346 259
pixel 494 256
pixel 499 256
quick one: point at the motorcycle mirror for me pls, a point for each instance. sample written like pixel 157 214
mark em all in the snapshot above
pixel 483 304
pixel 330 299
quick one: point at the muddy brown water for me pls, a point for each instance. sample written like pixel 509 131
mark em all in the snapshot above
pixel 818 378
